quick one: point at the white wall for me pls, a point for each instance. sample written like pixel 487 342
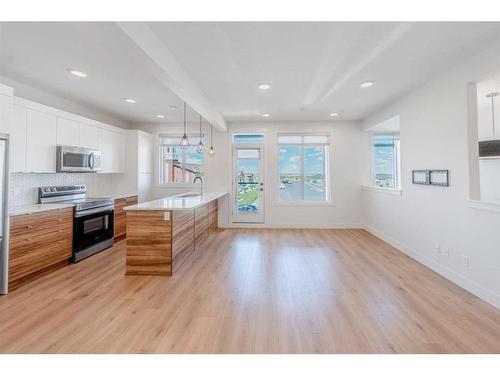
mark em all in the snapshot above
pixel 347 171
pixel 434 135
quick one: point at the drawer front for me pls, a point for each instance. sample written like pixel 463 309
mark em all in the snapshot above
pixel 39 221
pixel 23 243
pixel 39 240
pixel 38 257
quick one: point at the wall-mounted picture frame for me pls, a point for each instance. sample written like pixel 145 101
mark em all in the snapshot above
pixel 439 177
pixel 421 177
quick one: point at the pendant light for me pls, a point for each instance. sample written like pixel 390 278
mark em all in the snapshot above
pixel 184 139
pixel 201 147
pixel 211 152
pixel 492 95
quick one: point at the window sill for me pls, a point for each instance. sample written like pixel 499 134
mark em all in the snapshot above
pixel 382 190
pixel 483 206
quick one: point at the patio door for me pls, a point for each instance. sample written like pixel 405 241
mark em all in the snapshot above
pixel 248 183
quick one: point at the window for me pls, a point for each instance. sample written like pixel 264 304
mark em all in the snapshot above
pixel 248 138
pixel 386 160
pixel 303 167
pixel 179 164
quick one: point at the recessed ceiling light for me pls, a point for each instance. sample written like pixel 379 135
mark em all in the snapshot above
pixel 366 84
pixel 334 114
pixel 264 86
pixel 173 107
pixel 266 115
pixel 77 73
pixel 128 100
pixel 160 116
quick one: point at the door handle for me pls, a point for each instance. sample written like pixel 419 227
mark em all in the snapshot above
pixel 91 160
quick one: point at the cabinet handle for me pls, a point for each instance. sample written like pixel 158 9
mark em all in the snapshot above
pixel 28 239
pixel 28 226
pixel 59 219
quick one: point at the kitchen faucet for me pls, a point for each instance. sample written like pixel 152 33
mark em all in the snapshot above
pixel 201 183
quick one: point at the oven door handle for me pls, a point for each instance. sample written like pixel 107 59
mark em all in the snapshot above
pixel 94 211
pixel 91 160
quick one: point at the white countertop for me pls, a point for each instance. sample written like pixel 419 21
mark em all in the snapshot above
pixel 34 208
pixel 177 202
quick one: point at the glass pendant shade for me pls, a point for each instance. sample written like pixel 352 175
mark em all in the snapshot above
pixel 184 141
pixel 201 147
pixel 211 152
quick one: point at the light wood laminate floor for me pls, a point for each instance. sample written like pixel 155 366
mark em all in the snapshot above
pixel 252 291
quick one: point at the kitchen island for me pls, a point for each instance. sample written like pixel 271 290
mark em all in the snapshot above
pixel 162 233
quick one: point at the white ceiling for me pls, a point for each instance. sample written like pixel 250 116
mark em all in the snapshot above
pixel 39 54
pixel 314 66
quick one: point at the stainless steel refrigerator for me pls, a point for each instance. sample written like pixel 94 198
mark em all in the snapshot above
pixel 4 218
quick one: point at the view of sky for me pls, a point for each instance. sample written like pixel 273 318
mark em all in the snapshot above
pixel 290 163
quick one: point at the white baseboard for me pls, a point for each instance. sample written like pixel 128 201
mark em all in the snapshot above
pixel 462 281
pixel 294 225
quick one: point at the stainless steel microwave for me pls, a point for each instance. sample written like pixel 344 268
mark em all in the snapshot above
pixel 78 159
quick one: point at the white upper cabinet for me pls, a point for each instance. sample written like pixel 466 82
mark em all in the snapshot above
pixel 145 153
pixel 118 153
pixel 17 159
pixel 5 113
pixel 5 108
pixel 112 146
pixel 68 132
pixel 41 142
pixel 89 136
pixel 106 147
pixel 36 129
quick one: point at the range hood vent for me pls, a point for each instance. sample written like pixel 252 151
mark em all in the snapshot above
pixel 489 149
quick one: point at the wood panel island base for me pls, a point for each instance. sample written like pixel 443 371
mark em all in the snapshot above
pixel 161 234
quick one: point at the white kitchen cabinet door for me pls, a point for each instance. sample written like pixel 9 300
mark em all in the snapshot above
pixel 68 132
pixel 41 142
pixel 106 143
pixel 145 153
pixel 89 136
pixel 5 113
pixel 17 159
pixel 118 153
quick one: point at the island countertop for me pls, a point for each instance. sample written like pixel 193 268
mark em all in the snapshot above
pixel 185 201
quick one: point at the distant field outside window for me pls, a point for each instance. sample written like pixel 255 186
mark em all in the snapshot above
pixel 303 168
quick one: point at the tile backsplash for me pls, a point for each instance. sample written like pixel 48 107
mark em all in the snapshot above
pixel 23 187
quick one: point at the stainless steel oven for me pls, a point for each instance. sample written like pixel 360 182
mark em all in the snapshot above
pixel 92 218
pixel 77 159
pixel 92 231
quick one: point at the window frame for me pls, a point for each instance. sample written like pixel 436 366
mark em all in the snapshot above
pixel 327 168
pixel 396 160
pixel 160 166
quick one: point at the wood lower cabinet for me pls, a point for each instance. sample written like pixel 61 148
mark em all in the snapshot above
pixel 159 242
pixel 213 215
pixel 38 243
pixel 120 217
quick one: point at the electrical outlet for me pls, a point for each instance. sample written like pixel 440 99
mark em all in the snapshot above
pixel 446 252
pixel 437 247
pixel 466 260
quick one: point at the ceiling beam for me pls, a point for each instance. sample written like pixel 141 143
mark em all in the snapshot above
pixel 168 70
